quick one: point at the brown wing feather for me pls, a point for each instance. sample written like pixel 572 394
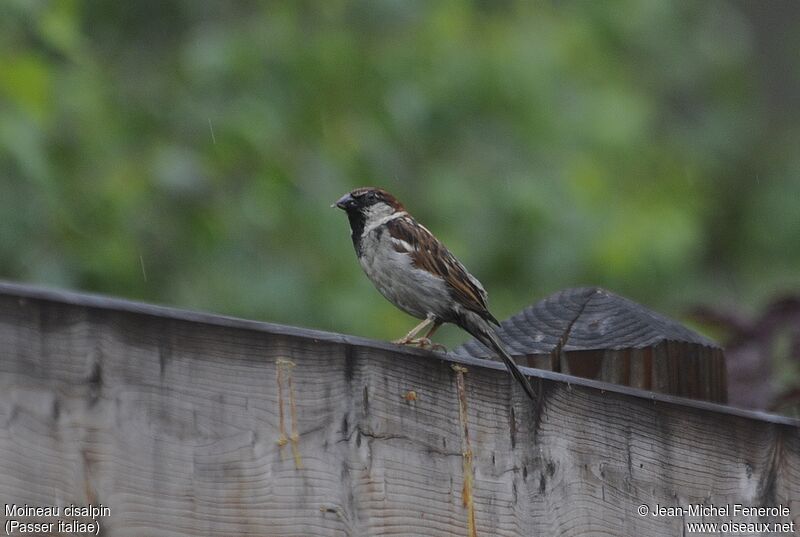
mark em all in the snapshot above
pixel 430 254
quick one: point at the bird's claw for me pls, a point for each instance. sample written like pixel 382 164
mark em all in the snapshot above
pixel 438 347
pixel 422 343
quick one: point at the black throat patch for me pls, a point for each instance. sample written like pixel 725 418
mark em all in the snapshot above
pixel 357 222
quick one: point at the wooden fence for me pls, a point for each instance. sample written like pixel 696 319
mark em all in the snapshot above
pixel 189 424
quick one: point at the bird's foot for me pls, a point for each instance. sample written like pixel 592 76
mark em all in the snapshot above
pixel 421 342
pixel 425 343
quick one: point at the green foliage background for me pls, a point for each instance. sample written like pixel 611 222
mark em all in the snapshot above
pixel 187 152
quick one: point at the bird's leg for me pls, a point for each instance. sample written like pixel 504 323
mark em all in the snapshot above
pixel 408 338
pixel 426 342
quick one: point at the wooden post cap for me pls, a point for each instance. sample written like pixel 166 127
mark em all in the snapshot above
pixel 593 333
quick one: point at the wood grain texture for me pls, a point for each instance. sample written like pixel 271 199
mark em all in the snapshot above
pixel 173 420
pixel 593 333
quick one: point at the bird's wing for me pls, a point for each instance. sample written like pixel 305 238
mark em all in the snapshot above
pixel 428 253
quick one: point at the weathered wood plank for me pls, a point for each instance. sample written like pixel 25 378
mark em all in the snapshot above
pixel 173 419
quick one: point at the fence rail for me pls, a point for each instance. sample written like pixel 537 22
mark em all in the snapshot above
pixel 193 424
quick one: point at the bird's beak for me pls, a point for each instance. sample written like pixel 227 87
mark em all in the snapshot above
pixel 342 202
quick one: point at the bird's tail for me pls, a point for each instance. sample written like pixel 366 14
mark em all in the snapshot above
pixel 488 337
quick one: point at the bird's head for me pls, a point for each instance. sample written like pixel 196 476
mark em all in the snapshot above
pixel 369 203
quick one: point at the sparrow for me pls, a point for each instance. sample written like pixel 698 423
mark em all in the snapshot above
pixel 413 270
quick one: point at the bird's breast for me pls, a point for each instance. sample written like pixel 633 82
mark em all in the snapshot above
pixel 413 290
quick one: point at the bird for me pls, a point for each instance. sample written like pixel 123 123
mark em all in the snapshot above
pixel 414 270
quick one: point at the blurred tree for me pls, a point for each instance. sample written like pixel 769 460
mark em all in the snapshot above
pixel 762 354
pixel 186 152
